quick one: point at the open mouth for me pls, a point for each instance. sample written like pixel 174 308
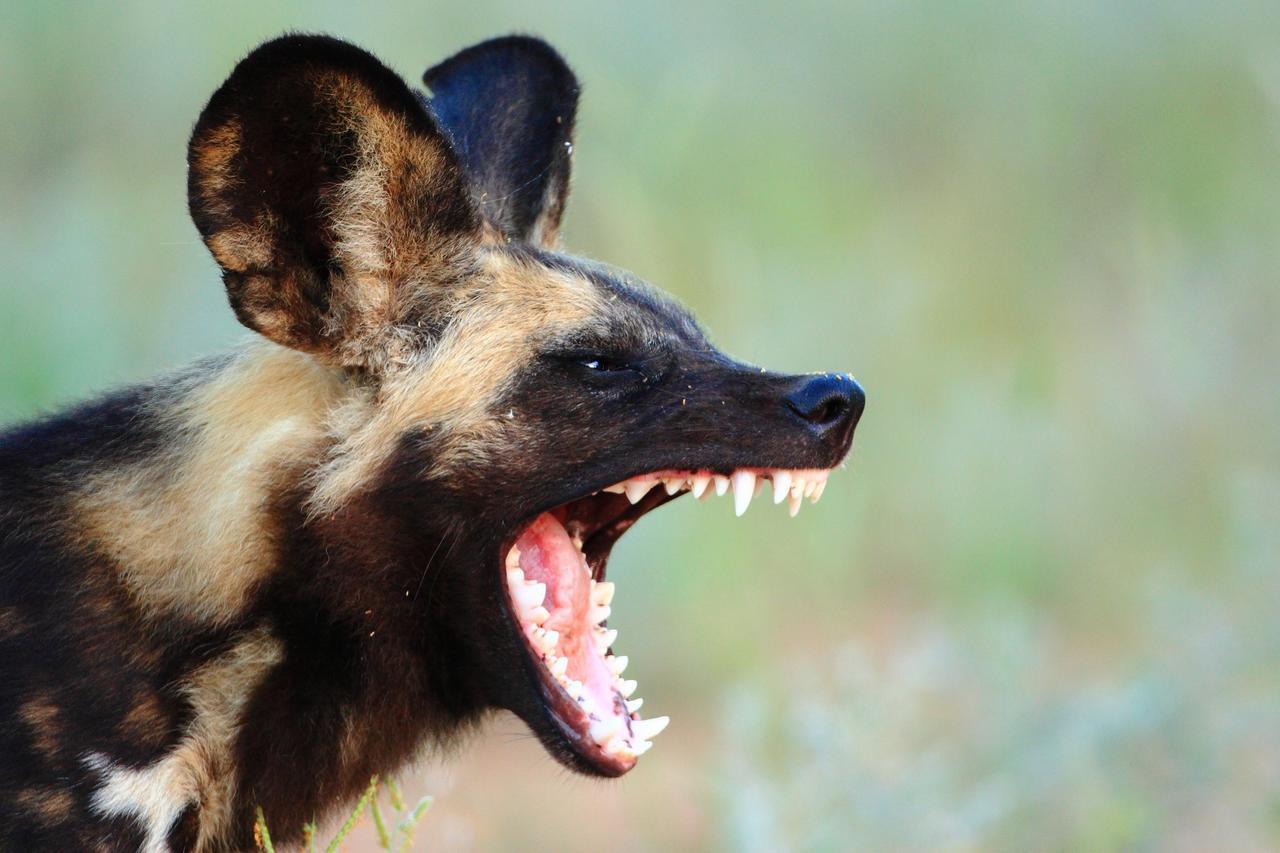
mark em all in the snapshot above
pixel 555 573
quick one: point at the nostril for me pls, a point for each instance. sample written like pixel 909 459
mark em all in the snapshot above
pixel 827 400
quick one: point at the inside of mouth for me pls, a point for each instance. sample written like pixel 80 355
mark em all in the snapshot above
pixel 555 580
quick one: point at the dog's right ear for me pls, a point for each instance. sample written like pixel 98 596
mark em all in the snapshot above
pixel 322 186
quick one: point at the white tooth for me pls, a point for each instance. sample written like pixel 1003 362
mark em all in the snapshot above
pixel 619 746
pixel 537 615
pixel 817 492
pixel 602 730
pixel 558 666
pixel 809 487
pixel 642 747
pixel 601 592
pixel 605 639
pixel 700 483
pixel 758 487
pixel 649 729
pixel 744 485
pixel 636 489
pixel 545 639
pixel 599 613
pixel 722 484
pixel 625 686
pixel 633 705
pixel 781 485
pixel 529 595
pixel 616 488
pixel 515 578
pixel 793 504
pixel 513 558
pixel 673 484
pixel 617 664
pixel 574 688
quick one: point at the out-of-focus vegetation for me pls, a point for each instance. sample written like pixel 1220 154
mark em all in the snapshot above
pixel 1039 608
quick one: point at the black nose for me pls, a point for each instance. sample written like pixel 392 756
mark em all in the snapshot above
pixel 828 400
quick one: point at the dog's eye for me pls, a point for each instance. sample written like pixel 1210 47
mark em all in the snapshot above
pixel 602 364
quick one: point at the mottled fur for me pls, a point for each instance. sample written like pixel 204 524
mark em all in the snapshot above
pixel 262 579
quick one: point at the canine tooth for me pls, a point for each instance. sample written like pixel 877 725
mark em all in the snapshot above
pixel 599 613
pixel 602 592
pixel 617 663
pixel 602 731
pixel 781 485
pixel 641 748
pixel 793 504
pixel 558 666
pixel 537 615
pixel 722 484
pixel 649 729
pixel 513 558
pixel 633 705
pixel 515 578
pixel 744 485
pixel 625 686
pixel 673 484
pixel 817 492
pixel 529 595
pixel 636 489
pixel 700 483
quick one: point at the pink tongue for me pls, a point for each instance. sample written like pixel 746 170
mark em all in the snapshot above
pixel 548 555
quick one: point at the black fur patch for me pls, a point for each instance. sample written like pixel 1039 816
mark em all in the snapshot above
pixel 508 106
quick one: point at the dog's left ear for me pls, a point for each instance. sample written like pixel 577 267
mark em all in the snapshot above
pixel 507 106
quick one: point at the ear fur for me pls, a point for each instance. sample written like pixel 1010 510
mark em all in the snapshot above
pixel 321 185
pixel 508 106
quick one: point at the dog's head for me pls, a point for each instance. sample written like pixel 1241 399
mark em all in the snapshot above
pixel 523 408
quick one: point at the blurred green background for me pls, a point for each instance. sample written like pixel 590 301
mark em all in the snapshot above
pixel 1041 608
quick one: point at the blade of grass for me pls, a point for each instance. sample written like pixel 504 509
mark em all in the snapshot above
pixel 261 836
pixel 355 816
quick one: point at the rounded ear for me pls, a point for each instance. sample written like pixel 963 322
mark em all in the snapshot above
pixel 321 185
pixel 508 106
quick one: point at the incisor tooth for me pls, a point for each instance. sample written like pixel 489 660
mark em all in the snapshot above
pixel 673 484
pixel 809 486
pixel 602 592
pixel 817 492
pixel 636 489
pixel 633 705
pixel 617 663
pixel 649 729
pixel 793 504
pixel 513 557
pixel 744 486
pixel 700 483
pixel 722 484
pixel 625 686
pixel 781 485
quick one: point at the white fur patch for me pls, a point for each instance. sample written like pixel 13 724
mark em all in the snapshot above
pixel 154 796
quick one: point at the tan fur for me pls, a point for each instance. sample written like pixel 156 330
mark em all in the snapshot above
pixel 42 718
pixel 453 390
pixel 199 768
pixel 51 806
pixel 187 532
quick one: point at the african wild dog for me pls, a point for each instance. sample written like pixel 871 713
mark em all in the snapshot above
pixel 262 579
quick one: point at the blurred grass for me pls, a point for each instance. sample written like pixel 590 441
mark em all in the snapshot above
pixel 1044 236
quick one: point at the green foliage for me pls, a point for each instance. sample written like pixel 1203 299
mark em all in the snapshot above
pixel 400 838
